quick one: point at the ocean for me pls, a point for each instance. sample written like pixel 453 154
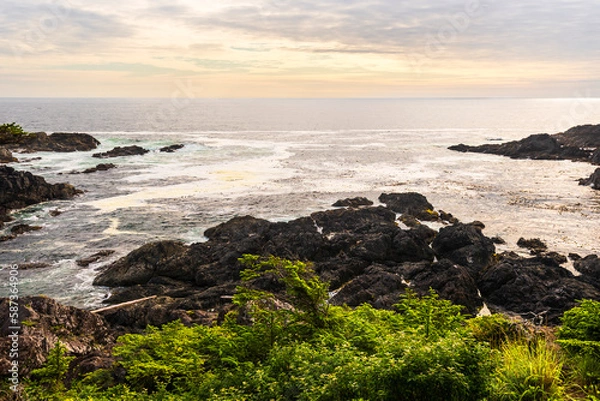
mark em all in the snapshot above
pixel 280 159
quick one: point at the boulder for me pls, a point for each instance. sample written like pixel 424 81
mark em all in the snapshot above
pixel 410 203
pixel 132 150
pixel 593 180
pixel 465 245
pixel 535 245
pixel 535 288
pixel 353 202
pixel 99 167
pixel 6 156
pixel 589 267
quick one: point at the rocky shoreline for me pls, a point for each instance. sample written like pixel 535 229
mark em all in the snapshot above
pixel 578 144
pixel 368 253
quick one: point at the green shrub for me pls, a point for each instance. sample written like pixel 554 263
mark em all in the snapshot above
pixel 11 133
pixel 495 329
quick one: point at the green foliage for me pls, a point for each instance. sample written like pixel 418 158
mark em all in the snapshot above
pixel 529 372
pixel 12 133
pixel 305 291
pixel 429 315
pixel 294 346
pixel 582 322
pixel 495 329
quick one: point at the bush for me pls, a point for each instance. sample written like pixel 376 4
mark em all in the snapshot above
pixel 11 133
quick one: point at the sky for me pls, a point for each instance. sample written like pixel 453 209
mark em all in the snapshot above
pixel 299 48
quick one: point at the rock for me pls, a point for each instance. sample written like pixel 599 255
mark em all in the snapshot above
pixel 140 265
pixel 537 147
pixel 99 167
pixel 582 136
pixel 33 265
pixel 593 181
pixel 465 245
pixel 353 202
pixel 595 158
pixel 574 257
pixel 133 150
pixel 44 322
pixel 533 288
pixel 56 142
pixel 411 203
pixel 88 363
pixel 6 156
pixel 498 240
pixel 24 228
pixel 19 189
pixel 589 267
pixel 535 245
pixel 85 262
pixel 55 212
pixel 172 148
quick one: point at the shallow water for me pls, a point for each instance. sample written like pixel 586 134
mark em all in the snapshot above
pixel 281 174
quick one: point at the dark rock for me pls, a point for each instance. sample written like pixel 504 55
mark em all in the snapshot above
pixel 574 257
pixel 538 147
pixel 6 156
pixel 465 245
pixel 33 265
pixel 353 202
pixel 43 322
pixel 99 167
pixel 377 286
pixel 132 150
pixel 593 181
pixel 498 240
pixel 88 363
pixel 595 158
pixel 589 267
pixel 447 217
pixel 84 262
pixel 533 288
pixel 582 136
pixel 172 148
pixel 19 189
pixel 140 265
pixel 411 203
pixel 535 245
pixel 24 228
pixel 56 142
pixel 55 212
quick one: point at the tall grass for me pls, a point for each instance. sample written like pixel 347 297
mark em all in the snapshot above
pixel 529 371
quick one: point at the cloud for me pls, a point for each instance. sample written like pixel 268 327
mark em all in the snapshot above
pixel 137 69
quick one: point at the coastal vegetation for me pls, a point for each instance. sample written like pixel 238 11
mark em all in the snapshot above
pixel 296 346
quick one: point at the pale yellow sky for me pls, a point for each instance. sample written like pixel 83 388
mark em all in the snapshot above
pixel 284 48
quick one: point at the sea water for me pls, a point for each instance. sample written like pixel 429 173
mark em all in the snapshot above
pixel 282 159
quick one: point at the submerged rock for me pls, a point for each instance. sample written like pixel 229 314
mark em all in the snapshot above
pixel 172 148
pixel 593 180
pixel 99 167
pixel 84 262
pixel 132 150
pixel 535 245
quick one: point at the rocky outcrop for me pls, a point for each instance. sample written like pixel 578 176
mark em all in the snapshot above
pixel 6 156
pixel 536 147
pixel 353 202
pixel 582 136
pixel 56 142
pixel 132 150
pixel 19 189
pixel 535 245
pixel 98 256
pixel 99 167
pixel 364 255
pixel 593 180
pixel 533 288
pixel 172 148
pixel 410 203
pixel 43 322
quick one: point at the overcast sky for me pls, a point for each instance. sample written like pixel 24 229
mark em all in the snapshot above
pixel 300 48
